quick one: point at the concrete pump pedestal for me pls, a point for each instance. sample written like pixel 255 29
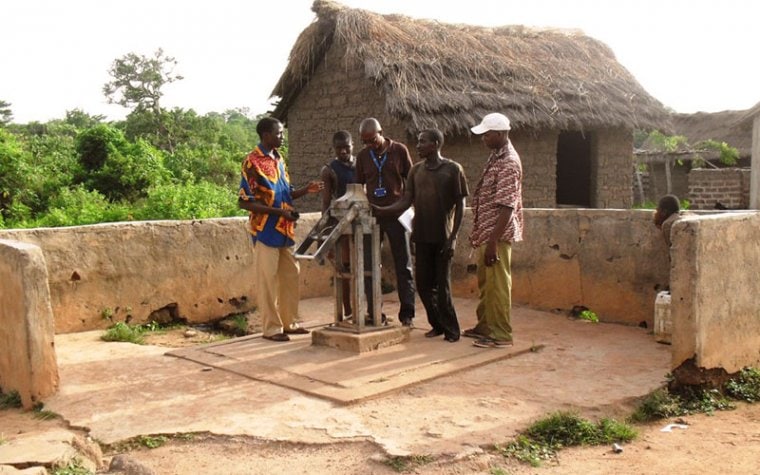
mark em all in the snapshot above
pixel 347 340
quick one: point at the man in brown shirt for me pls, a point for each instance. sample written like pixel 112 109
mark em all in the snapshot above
pixel 382 167
pixel 437 188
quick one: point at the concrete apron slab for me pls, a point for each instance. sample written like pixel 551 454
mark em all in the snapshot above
pixel 343 376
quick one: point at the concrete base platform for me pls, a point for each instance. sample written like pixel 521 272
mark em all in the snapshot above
pixel 346 340
pixel 344 377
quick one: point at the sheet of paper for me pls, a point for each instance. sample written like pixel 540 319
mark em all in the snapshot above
pixel 406 219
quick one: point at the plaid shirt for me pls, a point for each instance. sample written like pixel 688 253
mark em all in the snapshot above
pixel 500 186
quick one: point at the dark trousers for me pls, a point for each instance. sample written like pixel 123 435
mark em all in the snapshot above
pixel 433 274
pixel 402 263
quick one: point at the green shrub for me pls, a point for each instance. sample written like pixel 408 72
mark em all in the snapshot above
pixel 126 333
pixel 78 206
pixel 589 316
pixel 658 404
pixel 562 429
pixel 189 201
pixel 745 386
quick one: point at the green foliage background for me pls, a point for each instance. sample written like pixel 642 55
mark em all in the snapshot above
pixel 173 164
pixel 156 164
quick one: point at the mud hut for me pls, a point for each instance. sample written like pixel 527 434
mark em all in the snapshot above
pixel 572 105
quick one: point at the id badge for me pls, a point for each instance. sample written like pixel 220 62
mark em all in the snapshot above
pixel 380 192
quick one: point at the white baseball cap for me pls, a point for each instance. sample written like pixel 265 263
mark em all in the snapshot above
pixel 494 121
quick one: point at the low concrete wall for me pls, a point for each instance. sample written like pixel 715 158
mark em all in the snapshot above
pixel 28 363
pixel 611 261
pixel 715 287
pixel 199 270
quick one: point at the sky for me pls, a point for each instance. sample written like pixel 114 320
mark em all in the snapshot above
pixel 692 55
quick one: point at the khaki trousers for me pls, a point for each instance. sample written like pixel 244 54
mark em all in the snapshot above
pixel 495 285
pixel 277 294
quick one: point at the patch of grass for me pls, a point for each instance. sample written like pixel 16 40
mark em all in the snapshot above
pixel 152 442
pixel 589 316
pixel 43 414
pixel 527 451
pixel 610 431
pixel 409 463
pixel 241 322
pixel 145 442
pixel 745 386
pixel 699 400
pixel 545 437
pixel 106 313
pixel 661 404
pixel 658 404
pixel 10 400
pixel 74 467
pixel 498 471
pixel 125 333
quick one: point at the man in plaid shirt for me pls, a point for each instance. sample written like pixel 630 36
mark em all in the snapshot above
pixel 497 223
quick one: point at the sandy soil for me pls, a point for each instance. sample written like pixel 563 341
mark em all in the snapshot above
pixel 727 442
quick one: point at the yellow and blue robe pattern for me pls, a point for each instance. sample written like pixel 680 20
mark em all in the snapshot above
pixel 265 179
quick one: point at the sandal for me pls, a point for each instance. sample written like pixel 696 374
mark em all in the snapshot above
pixel 471 333
pixel 491 343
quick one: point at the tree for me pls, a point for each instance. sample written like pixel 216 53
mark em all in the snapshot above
pixel 5 112
pixel 82 120
pixel 138 80
pixel 116 168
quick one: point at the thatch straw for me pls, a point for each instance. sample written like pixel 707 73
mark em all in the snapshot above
pixel 449 76
pixel 749 115
pixel 725 126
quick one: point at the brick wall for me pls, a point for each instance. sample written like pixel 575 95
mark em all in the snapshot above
pixel 537 153
pixel 337 97
pixel 727 186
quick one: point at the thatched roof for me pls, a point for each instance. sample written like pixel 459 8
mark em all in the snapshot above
pixel 449 76
pixel 749 115
pixel 725 126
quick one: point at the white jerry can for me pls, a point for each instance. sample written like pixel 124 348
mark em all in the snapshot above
pixel 663 324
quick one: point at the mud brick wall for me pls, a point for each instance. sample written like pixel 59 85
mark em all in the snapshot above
pixel 728 187
pixel 338 97
pixel 538 153
pixel 611 168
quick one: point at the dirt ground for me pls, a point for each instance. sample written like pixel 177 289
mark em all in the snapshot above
pixel 726 442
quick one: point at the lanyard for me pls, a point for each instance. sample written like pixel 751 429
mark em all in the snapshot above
pixel 379 166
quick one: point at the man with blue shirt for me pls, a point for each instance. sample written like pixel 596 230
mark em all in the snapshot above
pixel 266 193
